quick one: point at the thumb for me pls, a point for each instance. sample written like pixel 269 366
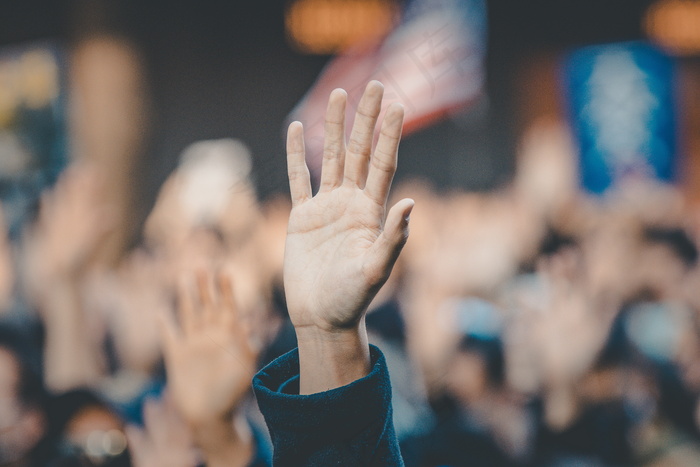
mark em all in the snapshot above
pixel 392 240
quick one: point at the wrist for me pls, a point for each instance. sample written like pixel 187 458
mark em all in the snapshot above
pixel 225 441
pixel 331 358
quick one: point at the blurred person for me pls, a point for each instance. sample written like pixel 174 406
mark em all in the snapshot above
pixel 24 434
pixel 479 421
pixel 554 335
pixel 207 216
pixel 474 244
pixel 635 395
pixel 665 261
pixel 610 243
pixel 557 327
pixel 210 189
pixel 129 298
pixel 88 430
pixel 653 202
pixel 109 113
pixel 569 331
pixel 467 245
pixel 58 251
pixel 546 176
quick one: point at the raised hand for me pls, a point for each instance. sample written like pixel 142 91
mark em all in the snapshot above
pixel 132 300
pixel 339 251
pixel 210 363
pixel 341 245
pixel 71 224
pixel 208 357
pixel 568 331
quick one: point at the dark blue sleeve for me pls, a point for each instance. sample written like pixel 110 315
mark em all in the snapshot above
pixel 349 426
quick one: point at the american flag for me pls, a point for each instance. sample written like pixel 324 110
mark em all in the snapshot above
pixel 432 63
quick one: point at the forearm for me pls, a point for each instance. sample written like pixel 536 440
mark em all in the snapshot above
pixel 561 404
pixel 71 359
pixel 348 425
pixel 225 443
pixel 331 359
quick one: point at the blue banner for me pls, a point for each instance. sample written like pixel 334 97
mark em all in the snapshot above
pixel 33 128
pixel 622 110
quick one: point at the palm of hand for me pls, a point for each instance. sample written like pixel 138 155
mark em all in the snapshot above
pixel 71 225
pixel 340 249
pixel 210 373
pixel 209 358
pixel 573 329
pixel 328 267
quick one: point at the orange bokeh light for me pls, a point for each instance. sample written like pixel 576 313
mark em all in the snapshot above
pixel 331 26
pixel 675 25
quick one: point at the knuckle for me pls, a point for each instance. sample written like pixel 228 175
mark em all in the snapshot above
pixel 358 147
pixel 376 274
pixel 332 123
pixel 384 163
pixel 295 174
pixel 331 150
pixel 367 112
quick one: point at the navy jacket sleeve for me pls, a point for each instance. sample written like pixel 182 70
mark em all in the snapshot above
pixel 349 426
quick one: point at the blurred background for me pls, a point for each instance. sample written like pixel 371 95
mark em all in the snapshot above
pixel 546 310
pixel 213 69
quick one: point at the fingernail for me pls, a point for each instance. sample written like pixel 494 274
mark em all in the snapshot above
pixel 407 216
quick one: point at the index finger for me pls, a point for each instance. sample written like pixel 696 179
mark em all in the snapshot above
pixel 298 172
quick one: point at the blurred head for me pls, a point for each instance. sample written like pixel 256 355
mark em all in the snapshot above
pixel 667 256
pixel 477 367
pixel 88 429
pixel 211 188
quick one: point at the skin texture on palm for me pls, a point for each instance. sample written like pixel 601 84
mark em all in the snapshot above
pixel 341 245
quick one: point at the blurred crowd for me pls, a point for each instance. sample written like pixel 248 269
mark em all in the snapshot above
pixel 532 325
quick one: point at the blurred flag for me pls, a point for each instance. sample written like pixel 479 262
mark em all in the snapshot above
pixel 33 135
pixel 432 63
pixel 622 109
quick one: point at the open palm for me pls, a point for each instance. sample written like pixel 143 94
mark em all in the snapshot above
pixel 340 247
pixel 209 359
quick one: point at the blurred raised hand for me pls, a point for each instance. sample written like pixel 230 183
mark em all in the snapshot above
pixel 71 225
pixel 210 362
pixel 58 249
pixel 568 332
pixel 131 299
